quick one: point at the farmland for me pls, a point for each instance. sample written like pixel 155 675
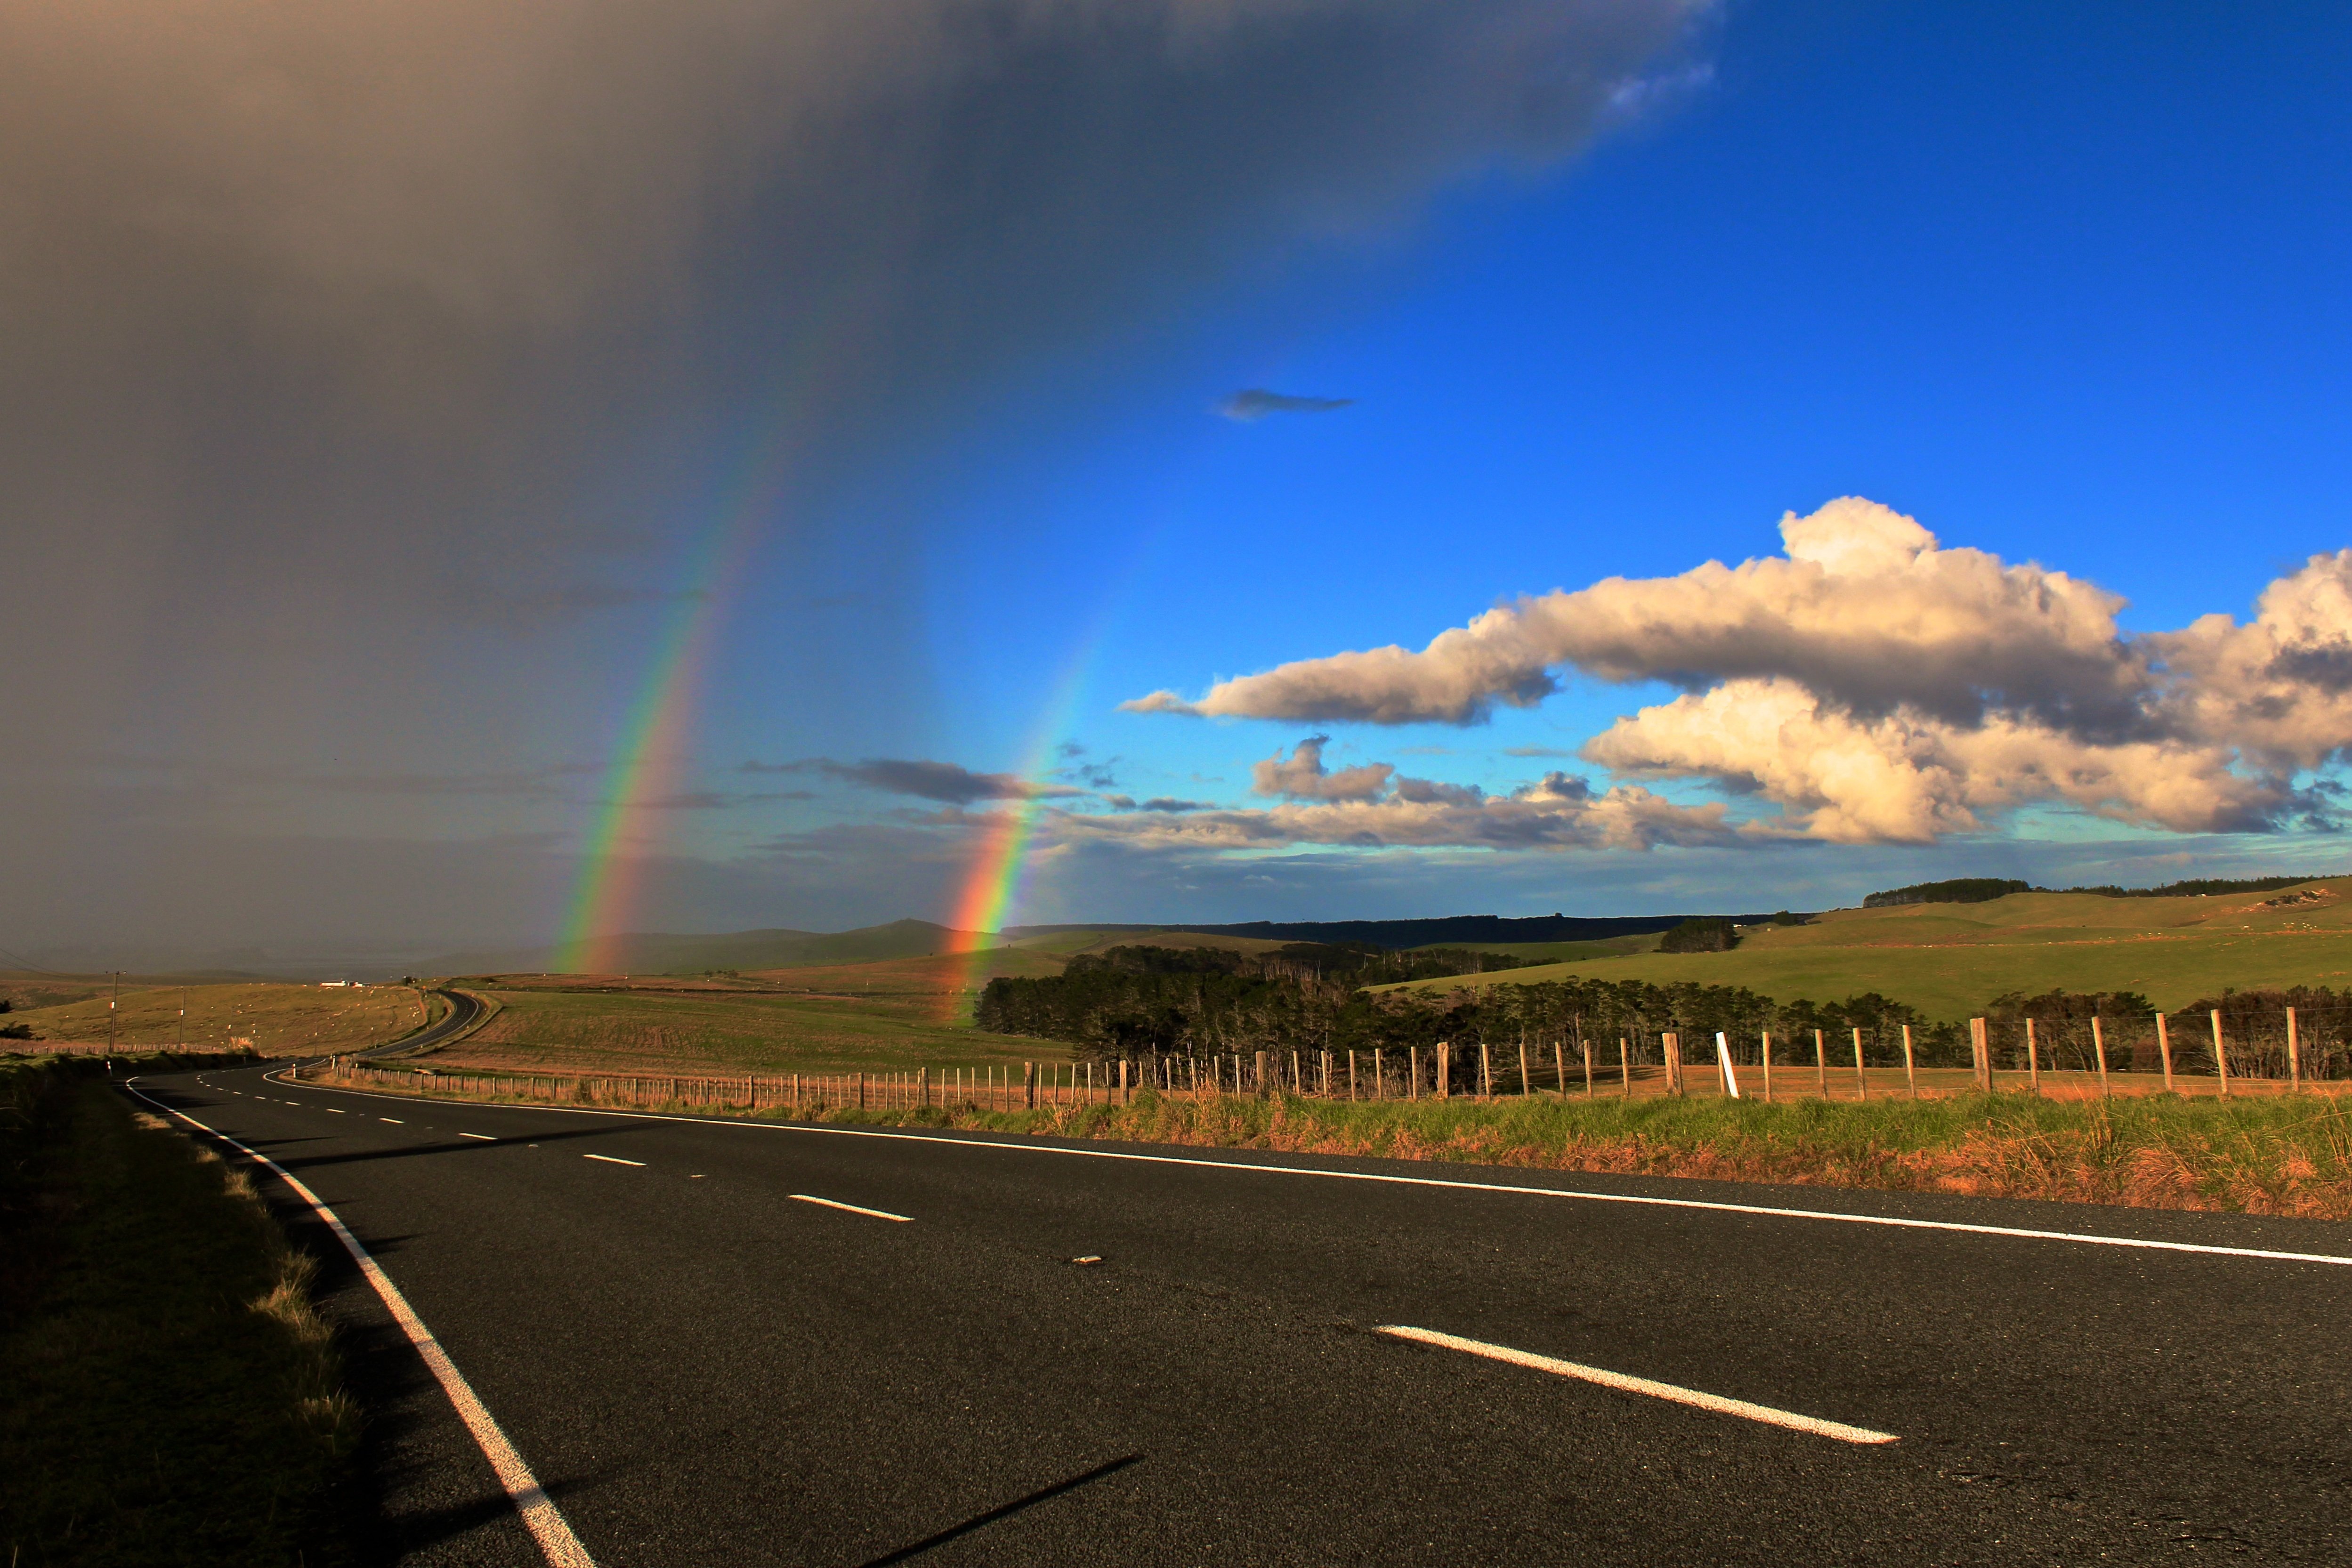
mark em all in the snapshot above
pixel 1948 959
pixel 888 1014
pixel 277 1019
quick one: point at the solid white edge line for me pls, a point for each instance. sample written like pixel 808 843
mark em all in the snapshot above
pixel 1896 1222
pixel 1655 1390
pixel 485 1137
pixel 540 1514
pixel 613 1160
pixel 853 1209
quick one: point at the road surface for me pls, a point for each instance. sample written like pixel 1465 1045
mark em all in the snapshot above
pixel 728 1344
pixel 465 1011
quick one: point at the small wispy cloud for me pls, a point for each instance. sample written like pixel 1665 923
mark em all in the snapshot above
pixel 1253 404
pixel 943 782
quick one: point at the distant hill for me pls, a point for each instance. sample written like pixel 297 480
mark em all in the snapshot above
pixel 1450 931
pixel 661 952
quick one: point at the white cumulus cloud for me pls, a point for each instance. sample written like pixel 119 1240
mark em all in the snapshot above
pixel 1881 688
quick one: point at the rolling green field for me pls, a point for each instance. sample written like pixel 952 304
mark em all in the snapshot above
pixel 1948 959
pixel 883 1016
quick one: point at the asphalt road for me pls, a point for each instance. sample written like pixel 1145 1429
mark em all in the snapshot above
pixel 703 1369
pixel 463 1012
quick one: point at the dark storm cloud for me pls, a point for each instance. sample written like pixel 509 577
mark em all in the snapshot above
pixel 346 342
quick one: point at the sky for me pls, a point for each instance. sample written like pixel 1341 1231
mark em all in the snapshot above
pixel 471 475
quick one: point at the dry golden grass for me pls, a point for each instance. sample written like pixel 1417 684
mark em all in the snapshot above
pixel 275 1019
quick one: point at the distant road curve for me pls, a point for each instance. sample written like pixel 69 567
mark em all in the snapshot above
pixel 465 1012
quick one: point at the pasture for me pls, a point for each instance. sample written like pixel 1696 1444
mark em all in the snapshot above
pixel 1949 959
pixel 277 1019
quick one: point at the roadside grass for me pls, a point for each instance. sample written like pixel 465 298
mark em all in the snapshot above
pixel 1948 959
pixel 892 1024
pixel 2286 1155
pixel 171 1395
pixel 278 1019
pixel 2274 1153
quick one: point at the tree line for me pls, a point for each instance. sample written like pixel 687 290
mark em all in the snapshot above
pixel 1144 1001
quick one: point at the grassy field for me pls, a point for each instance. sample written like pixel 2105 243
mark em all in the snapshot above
pixel 891 1015
pixel 278 1019
pixel 1948 959
pixel 171 1398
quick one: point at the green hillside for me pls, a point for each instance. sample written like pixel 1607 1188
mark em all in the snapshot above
pixel 659 952
pixel 1948 960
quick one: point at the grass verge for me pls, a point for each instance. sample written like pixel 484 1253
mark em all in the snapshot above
pixel 172 1396
pixel 2278 1154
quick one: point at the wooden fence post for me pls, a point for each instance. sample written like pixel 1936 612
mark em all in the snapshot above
pixel 2221 1055
pixel 1624 1068
pixel 1445 1070
pixel 2294 1054
pixel 1584 1050
pixel 2099 1047
pixel 1126 1087
pixel 1412 1070
pixel 1670 1046
pixel 1257 1072
pixel 1380 1074
pixel 1297 1084
pixel 1527 1084
pixel 2032 1059
pixel 1910 1065
pixel 1861 1081
pixel 1351 1075
pixel 2164 1049
pixel 1820 1064
pixel 1028 1085
pixel 1766 1054
pixel 1486 1071
pixel 1980 1054
pixel 1723 1062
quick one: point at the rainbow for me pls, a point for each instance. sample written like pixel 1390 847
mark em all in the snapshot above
pixel 991 885
pixel 647 760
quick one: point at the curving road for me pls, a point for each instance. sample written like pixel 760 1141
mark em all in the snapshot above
pixel 718 1343
pixel 465 1012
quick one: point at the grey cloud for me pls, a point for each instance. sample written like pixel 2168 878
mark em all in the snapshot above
pixel 1559 814
pixel 346 342
pixel 1303 776
pixel 943 782
pixel 1255 403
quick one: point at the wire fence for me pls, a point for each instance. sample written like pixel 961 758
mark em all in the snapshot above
pixel 2218 1052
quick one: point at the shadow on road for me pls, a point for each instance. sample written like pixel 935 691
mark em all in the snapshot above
pixel 1006 1512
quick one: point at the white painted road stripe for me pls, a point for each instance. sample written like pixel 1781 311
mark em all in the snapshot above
pixel 483 1136
pixel 853 1209
pixel 395 1121
pixel 1892 1221
pixel 612 1160
pixel 545 1521
pixel 1618 1380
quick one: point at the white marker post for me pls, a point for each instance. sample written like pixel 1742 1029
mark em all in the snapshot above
pixel 1723 1058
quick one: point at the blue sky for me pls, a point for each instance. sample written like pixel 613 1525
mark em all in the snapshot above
pixel 2065 283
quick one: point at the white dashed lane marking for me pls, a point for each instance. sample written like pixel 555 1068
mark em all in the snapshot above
pixel 1693 1397
pixel 395 1121
pixel 611 1158
pixel 853 1209
pixel 483 1136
